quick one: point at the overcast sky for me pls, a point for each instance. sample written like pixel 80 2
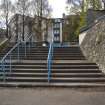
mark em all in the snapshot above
pixel 58 7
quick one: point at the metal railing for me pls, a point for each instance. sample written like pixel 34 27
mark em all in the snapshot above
pixel 49 61
pixel 87 27
pixel 6 62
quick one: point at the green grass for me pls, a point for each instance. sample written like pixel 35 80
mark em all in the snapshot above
pixel 3 46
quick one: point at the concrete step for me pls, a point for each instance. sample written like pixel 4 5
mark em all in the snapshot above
pixel 57 54
pixel 65 75
pixel 45 58
pixel 24 79
pixel 55 63
pixel 44 70
pixel 80 75
pixel 69 58
pixel 46 55
pixel 29 58
pixel 79 80
pixel 46 51
pixel 46 84
pixel 55 79
pixel 54 66
pixel 55 48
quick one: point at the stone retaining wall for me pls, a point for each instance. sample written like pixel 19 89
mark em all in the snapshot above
pixel 93 45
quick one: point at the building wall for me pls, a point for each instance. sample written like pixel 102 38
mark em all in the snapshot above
pixel 48 29
pixel 17 23
pixel 82 36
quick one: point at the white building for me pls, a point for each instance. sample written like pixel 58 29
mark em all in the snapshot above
pixel 57 30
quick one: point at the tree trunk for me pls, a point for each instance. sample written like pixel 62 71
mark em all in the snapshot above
pixel 40 22
pixel 17 37
pixel 7 21
pixel 7 26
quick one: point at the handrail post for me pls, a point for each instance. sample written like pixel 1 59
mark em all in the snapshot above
pixel 32 41
pixel 10 63
pixel 49 72
pixel 29 45
pixel 18 52
pixel 25 48
pixel 3 69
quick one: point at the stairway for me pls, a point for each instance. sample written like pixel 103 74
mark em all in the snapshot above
pixel 69 69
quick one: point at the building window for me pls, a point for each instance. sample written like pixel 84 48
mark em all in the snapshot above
pixel 57 20
pixel 57 25
pixel 56 38
pixel 56 31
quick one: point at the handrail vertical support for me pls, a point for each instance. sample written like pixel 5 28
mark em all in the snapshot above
pixel 32 41
pixel 25 48
pixel 18 53
pixel 3 69
pixel 10 63
pixel 29 45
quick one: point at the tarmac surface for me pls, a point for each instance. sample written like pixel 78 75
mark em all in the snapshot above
pixel 51 96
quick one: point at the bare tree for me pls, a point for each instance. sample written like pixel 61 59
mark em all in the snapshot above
pixel 86 4
pixel 41 11
pixel 6 12
pixel 22 8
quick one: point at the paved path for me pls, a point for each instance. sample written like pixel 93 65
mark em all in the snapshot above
pixel 51 97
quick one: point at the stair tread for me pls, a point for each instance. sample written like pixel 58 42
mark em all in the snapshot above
pixel 57 73
pixel 43 69
pixel 45 62
pixel 52 65
pixel 41 83
pixel 57 78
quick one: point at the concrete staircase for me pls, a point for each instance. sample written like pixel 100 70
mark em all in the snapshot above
pixel 69 69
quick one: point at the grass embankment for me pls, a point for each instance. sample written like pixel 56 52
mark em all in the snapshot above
pixel 3 44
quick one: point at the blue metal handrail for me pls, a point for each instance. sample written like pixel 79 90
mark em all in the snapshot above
pixel 49 61
pixel 9 54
